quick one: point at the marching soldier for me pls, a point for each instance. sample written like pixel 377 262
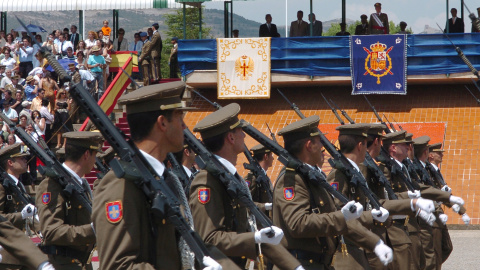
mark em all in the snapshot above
pixel 307 213
pixel 265 159
pixel 221 220
pixel 122 216
pixel 68 233
pixel 13 160
pixel 378 23
pixel 186 158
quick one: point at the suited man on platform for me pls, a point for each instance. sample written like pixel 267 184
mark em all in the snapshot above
pixel 74 37
pixel 299 27
pixel 455 24
pixel 362 29
pixel 268 29
pixel 316 25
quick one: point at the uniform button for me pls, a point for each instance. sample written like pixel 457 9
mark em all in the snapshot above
pixel 73 261
pixel 79 207
pixel 311 261
pixel 163 221
pixel 322 203
pixel 243 257
pixel 381 224
pixel 358 198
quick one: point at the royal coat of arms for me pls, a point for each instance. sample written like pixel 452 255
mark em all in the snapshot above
pixel 379 60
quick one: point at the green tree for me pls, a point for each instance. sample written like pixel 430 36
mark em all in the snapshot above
pixel 174 23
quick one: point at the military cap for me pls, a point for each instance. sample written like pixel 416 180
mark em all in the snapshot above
pixel 305 128
pixel 377 4
pixel 86 139
pixel 13 151
pixel 376 129
pixel 363 16
pixel 259 149
pixel 395 137
pixel 409 137
pixel 155 24
pixel 143 34
pixel 219 122
pixel 420 144
pixel 158 97
pixel 436 147
pixel 354 129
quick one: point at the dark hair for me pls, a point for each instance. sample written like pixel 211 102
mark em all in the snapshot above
pixel 80 52
pixel 142 123
pixel 74 153
pixel 348 142
pixel 74 26
pixel 36 111
pixel 178 156
pixel 39 36
pixel 216 142
pixel 41 90
pixel 371 139
pixel 121 31
pixel 8 92
pixel 295 147
pixel 45 102
pixel 66 29
pixel 259 157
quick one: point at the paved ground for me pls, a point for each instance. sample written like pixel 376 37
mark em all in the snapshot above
pixel 465 255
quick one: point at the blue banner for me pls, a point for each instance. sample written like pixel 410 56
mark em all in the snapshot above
pixel 378 64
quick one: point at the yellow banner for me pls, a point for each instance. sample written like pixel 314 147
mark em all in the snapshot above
pixel 243 68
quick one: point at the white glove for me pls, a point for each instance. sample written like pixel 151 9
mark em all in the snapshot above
pixel 466 219
pixel 300 268
pixel 427 216
pixel 268 206
pixel 456 200
pixel 346 210
pixel 414 195
pixel 28 211
pixel 383 252
pixel 382 212
pixel 456 208
pixel 211 264
pixel 443 218
pixel 48 266
pixel 262 237
pixel 446 189
pixel 425 205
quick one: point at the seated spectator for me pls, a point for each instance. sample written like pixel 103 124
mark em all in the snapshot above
pixel 8 60
pixel 9 112
pixel 6 80
pixel 15 86
pixel 17 106
pixel 45 112
pixel 3 143
pixel 91 41
pixel 22 123
pixel 137 44
pixel 343 31
pixel 26 105
pixel 3 133
pixel 8 99
pixel 50 43
pixel 37 101
pixel 70 54
pixel 80 60
pixel 81 47
pixel 120 43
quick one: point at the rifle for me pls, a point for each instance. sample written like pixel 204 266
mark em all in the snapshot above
pixel 290 161
pixel 292 105
pixel 389 123
pixel 436 174
pixel 260 176
pixel 9 184
pixel 235 188
pixel 376 114
pixel 397 123
pixel 178 170
pixel 132 164
pixel 340 162
pixel 101 167
pixel 475 20
pixel 53 168
pixel 422 172
pixel 271 133
pixel 373 167
pixel 461 55
pixel 344 113
pixel 331 108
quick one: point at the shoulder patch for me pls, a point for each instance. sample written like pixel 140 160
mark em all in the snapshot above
pixel 114 211
pixel 334 185
pixel 288 193
pixel 203 195
pixel 46 197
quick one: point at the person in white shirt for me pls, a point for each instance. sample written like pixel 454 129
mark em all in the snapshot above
pixel 63 45
pixel 9 112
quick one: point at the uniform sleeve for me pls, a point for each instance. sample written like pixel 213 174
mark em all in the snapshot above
pixel 209 219
pixel 14 218
pixel 18 244
pixel 118 244
pixel 398 207
pixel 282 258
pixel 300 222
pixel 431 193
pixel 360 235
pixel 52 214
pixel 340 180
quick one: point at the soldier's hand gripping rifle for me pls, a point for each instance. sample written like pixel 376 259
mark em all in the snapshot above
pixel 372 165
pixel 132 165
pixel 339 161
pixel 53 168
pixel 235 188
pixel 260 176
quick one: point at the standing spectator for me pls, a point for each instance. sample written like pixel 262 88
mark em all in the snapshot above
pixel 91 41
pixel 235 33
pixel 3 39
pixel 455 24
pixel 81 47
pixel 106 30
pixel 6 80
pixel 56 39
pixel 378 24
pixel 16 87
pixel 8 61
pixel 362 29
pixel 136 45
pixel 50 44
pixel 10 42
pixel 50 86
pixel 403 27
pixel 74 37
pixel 36 48
pixel 66 33
pixel 145 63
pixel 9 112
pixel 173 60
pixel 154 50
pixel 299 27
pixel 44 112
pixel 17 106
pixel 343 31
pixel 8 98
pixel 31 88
pixel 70 54
pixel 268 29
pixel 96 63
pixel 80 60
pixel 26 105
pixel 62 122
pixel 120 43
pixel 37 101
pixel 39 123
pixel 63 45
pixel 25 53
pixel 316 26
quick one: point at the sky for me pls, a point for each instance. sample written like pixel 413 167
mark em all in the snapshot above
pixel 416 13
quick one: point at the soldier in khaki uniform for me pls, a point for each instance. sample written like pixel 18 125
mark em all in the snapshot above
pixel 68 235
pixel 122 216
pixel 378 23
pixel 307 213
pixel 264 157
pixel 13 160
pixel 221 220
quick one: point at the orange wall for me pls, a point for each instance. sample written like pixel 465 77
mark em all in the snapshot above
pixel 442 111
